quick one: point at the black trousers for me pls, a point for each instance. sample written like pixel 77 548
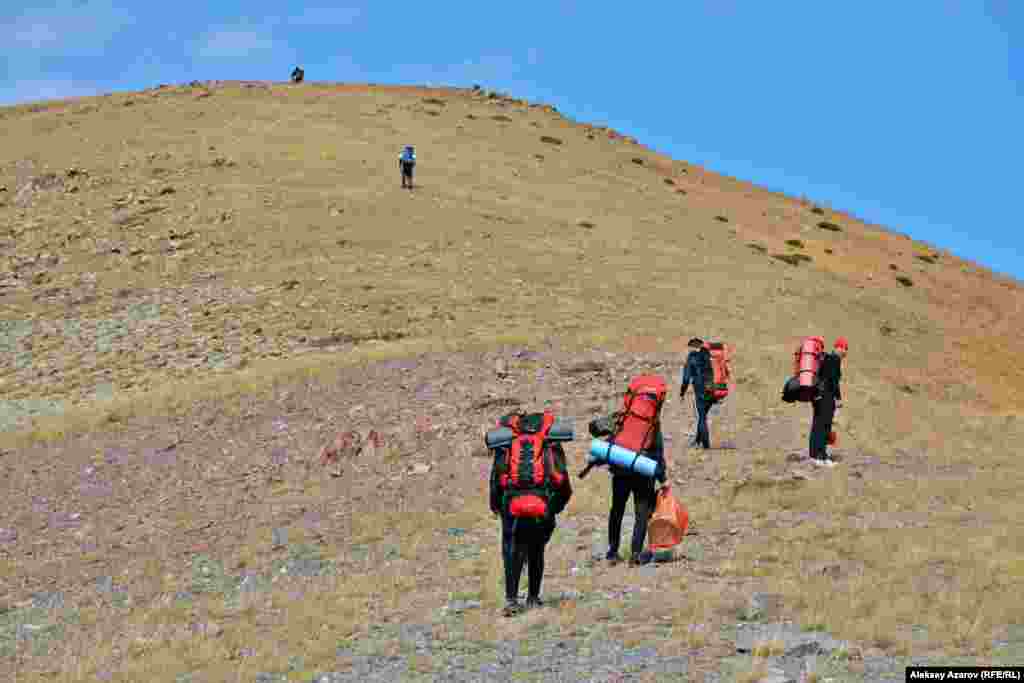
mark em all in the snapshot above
pixel 821 425
pixel 702 406
pixel 522 543
pixel 644 496
pixel 406 173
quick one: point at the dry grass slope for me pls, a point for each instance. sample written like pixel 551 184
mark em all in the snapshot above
pixel 232 269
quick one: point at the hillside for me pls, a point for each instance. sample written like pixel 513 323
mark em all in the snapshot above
pixel 201 285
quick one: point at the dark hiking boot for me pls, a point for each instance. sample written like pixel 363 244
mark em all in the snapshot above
pixel 512 608
pixel 534 602
pixel 644 557
pixel 612 557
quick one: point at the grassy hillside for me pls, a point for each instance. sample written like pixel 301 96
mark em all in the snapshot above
pixel 234 270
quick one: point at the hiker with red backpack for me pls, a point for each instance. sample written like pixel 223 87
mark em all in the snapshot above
pixel 816 380
pixel 829 398
pixel 529 486
pixel 707 369
pixel 637 429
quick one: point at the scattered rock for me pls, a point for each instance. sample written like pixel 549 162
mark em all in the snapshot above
pixel 550 140
pixel 419 468
pixel 345 445
pixel 585 367
pixel 42 183
pixel 832 227
pixel 497 402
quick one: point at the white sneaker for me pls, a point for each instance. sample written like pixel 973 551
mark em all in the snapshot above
pixel 827 461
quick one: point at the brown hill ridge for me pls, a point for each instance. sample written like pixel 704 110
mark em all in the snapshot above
pixel 247 185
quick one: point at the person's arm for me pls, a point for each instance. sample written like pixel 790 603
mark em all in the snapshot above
pixel 563 494
pixel 658 454
pixel 839 379
pixel 603 426
pixel 687 378
pixel 496 467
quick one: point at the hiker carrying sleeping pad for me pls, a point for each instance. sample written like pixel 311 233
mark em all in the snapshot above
pixel 298 75
pixel 406 163
pixel 829 399
pixel 637 428
pixel 529 486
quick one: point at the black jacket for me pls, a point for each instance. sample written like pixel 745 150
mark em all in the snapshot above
pixel 694 371
pixel 561 494
pixel 830 376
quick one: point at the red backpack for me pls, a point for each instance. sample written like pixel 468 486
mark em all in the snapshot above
pixel 530 474
pixel 641 413
pixel 719 372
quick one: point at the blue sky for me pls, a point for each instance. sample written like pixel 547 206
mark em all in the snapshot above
pixel 907 114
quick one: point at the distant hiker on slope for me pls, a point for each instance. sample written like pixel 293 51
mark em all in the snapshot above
pixel 636 428
pixel 695 372
pixel 529 486
pixel 298 75
pixel 406 164
pixel 828 399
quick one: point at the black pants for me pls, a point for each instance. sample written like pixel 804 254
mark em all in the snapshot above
pixel 702 406
pixel 821 425
pixel 406 173
pixel 523 542
pixel 642 490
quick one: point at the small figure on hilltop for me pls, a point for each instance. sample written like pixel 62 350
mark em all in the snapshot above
pixel 406 164
pixel 829 399
pixel 635 432
pixel 529 486
pixel 298 75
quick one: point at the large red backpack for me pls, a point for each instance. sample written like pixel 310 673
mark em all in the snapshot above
pixel 641 413
pixel 719 371
pixel 804 386
pixel 530 474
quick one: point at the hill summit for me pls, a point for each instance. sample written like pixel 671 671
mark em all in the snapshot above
pixel 203 284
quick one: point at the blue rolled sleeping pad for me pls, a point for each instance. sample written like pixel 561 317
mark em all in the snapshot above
pixel 502 436
pixel 604 453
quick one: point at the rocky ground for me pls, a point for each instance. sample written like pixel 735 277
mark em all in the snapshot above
pixel 193 493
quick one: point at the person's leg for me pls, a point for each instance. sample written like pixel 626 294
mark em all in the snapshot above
pixel 821 422
pixel 513 558
pixel 538 543
pixel 643 507
pixel 620 495
pixel 703 437
pixel 828 413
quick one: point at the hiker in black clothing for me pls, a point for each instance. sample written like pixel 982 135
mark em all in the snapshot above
pixel 829 398
pixel 626 484
pixel 698 362
pixel 298 75
pixel 406 164
pixel 524 539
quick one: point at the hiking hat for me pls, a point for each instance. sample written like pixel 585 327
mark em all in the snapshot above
pixel 696 341
pixel 841 343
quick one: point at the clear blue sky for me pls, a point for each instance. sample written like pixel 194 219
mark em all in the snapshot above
pixel 908 114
